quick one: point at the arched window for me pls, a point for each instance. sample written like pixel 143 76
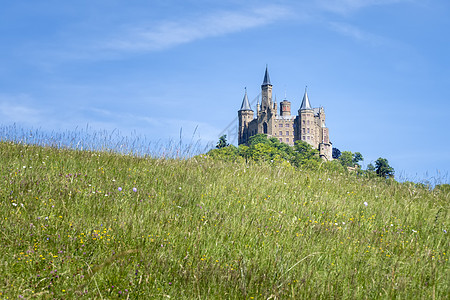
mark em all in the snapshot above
pixel 265 127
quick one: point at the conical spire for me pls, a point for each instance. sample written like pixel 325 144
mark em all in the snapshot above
pixel 266 78
pixel 305 101
pixel 245 103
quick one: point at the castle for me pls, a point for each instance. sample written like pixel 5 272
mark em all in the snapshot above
pixel 308 125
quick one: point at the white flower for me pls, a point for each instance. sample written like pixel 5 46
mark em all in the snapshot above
pixel 14 204
pixel 414 231
pixel 365 203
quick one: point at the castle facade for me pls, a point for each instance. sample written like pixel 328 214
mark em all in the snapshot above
pixel 308 125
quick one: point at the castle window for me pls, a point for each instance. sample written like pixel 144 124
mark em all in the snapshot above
pixel 265 127
pixel 303 122
pixel 281 132
pixel 308 130
pixel 304 138
pixel 287 140
pixel 287 132
pixel 307 122
pixel 281 139
pixel 286 125
pixel 304 130
pixel 308 137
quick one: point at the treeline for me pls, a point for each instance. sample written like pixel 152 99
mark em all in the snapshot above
pixel 301 155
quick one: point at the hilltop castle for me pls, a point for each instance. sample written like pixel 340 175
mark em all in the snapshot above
pixel 308 125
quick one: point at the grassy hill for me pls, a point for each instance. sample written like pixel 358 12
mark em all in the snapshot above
pixel 103 225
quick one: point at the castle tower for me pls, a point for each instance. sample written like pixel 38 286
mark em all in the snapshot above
pixel 285 108
pixel 306 125
pixel 245 116
pixel 266 92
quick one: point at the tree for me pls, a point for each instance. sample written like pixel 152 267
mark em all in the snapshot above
pixel 357 157
pixel 349 159
pixel 222 142
pixel 383 169
pixel 370 167
pixel 259 138
pixel 346 159
pixel 336 153
pixel 304 152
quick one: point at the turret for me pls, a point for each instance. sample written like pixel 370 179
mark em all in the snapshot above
pixel 285 108
pixel 306 126
pixel 245 115
pixel 266 92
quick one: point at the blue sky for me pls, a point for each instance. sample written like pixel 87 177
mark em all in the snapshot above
pixel 381 69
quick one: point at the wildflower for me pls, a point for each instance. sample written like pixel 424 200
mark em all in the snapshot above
pixel 119 189
pixel 134 189
pixel 14 204
pixel 445 231
pixel 365 203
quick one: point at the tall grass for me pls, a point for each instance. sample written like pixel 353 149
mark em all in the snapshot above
pixel 114 141
pixel 99 224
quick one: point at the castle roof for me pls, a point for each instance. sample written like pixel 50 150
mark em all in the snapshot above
pixel 305 102
pixel 245 103
pixel 266 80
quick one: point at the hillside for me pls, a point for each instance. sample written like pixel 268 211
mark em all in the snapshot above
pixel 103 225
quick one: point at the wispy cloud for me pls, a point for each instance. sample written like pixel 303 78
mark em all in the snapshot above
pixel 348 6
pixel 171 33
pixel 357 33
pixel 15 109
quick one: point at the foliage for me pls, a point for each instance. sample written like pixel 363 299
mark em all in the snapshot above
pixel 336 153
pixel 346 159
pixel 222 142
pixel 349 159
pixel 258 139
pixel 357 157
pixel 383 169
pixel 108 226
pixel 263 149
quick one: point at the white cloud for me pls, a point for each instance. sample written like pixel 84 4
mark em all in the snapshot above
pixel 172 33
pixel 348 6
pixel 357 34
pixel 14 109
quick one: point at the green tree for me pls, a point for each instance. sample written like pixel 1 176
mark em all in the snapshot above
pixel 349 159
pixel 336 153
pixel 304 152
pixel 383 169
pixel 258 139
pixel 346 159
pixel 357 157
pixel 222 142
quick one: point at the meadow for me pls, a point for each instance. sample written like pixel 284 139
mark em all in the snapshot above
pixel 104 225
